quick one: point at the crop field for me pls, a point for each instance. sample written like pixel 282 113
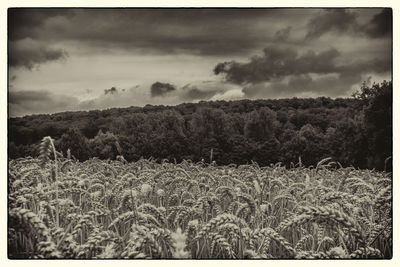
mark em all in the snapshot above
pixel 61 208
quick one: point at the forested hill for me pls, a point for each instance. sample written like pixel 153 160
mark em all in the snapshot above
pixel 355 131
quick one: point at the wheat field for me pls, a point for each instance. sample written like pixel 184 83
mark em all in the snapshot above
pixel 61 208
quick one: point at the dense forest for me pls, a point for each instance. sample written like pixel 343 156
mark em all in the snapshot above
pixel 355 131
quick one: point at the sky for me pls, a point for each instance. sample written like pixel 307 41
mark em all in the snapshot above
pixel 84 59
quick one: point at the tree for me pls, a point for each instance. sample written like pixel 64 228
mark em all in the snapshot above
pixel 346 142
pixel 377 101
pixel 74 140
pixel 105 145
pixel 305 143
pixel 355 131
pixel 210 127
pixel 261 125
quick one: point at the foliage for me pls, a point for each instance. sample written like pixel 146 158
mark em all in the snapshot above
pixel 378 120
pixel 105 145
pixel 76 142
pixel 356 132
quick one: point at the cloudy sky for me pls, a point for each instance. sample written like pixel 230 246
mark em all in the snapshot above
pixel 82 59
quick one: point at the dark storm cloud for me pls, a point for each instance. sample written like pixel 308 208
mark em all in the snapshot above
pixel 277 62
pixel 283 72
pixel 199 31
pixel 27 22
pixel 206 90
pixel 380 25
pixel 304 86
pixel 191 31
pixel 111 91
pixel 339 20
pixel 28 54
pixel 25 28
pixel 161 89
pixel 34 102
pixel 334 84
pixel 345 21
pixel 376 65
pixel 194 93
pixel 355 43
pixel 282 34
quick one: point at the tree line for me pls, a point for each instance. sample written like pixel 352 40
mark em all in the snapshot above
pixel 354 131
